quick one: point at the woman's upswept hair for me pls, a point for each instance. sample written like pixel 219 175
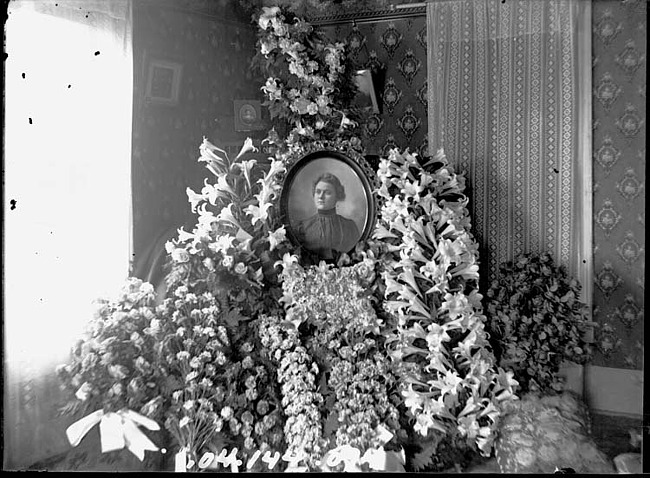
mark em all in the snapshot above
pixel 334 181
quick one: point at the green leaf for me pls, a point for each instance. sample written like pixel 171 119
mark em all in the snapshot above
pixel 331 424
pixel 424 458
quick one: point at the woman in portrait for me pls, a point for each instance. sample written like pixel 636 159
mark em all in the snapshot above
pixel 327 233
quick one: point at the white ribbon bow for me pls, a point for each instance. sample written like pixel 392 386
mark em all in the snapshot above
pixel 116 431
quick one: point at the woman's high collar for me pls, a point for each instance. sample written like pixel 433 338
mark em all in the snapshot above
pixel 327 212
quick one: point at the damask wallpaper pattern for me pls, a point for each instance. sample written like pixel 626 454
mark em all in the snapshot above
pixel 396 51
pixel 619 35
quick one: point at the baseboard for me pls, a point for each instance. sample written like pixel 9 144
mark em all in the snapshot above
pixel 610 413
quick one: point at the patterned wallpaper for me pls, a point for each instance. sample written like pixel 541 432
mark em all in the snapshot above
pixel 214 56
pixel 619 97
pixel 396 49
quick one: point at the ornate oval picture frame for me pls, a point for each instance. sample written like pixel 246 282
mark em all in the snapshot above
pixel 328 203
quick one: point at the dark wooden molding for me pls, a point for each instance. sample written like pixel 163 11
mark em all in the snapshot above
pixel 366 16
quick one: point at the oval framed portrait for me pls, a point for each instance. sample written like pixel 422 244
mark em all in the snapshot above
pixel 327 204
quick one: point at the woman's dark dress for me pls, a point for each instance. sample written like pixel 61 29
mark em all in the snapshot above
pixel 326 232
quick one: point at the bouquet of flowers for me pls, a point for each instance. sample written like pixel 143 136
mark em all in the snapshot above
pixel 536 321
pixel 238 236
pixel 117 365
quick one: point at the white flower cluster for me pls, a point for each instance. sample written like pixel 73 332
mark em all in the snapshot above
pixel 305 94
pixel 227 232
pixel 431 288
pixel 347 343
pixel 297 373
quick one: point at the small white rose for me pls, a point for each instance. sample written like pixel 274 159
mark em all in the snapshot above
pixel 180 255
pixel 227 262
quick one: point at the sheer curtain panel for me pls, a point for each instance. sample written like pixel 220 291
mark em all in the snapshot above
pixel 509 93
pixel 68 110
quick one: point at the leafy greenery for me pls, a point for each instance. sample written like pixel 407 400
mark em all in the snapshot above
pixel 536 321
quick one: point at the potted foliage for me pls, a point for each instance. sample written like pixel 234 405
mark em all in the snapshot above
pixel 536 321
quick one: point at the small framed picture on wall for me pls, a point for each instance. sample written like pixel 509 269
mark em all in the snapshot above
pixel 163 82
pixel 248 115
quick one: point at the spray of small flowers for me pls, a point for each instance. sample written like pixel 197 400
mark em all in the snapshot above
pixel 223 392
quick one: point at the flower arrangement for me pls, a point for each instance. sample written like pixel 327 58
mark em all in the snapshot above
pixel 230 256
pixel 193 361
pixel 383 351
pixel 238 236
pixel 437 341
pixel 336 375
pixel 252 350
pixel 224 393
pixel 116 367
pixel 536 321
pixel 309 84
pixel 300 398
pixel 180 363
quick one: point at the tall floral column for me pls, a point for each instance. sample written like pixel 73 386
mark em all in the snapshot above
pixel 446 370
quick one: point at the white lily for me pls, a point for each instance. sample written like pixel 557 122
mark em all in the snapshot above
pixel 247 147
pixel 194 198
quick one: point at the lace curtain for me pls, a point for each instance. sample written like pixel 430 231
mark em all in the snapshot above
pixel 509 94
pixel 68 110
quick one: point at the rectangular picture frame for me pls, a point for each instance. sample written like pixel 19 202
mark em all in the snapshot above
pixel 248 115
pixel 163 82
